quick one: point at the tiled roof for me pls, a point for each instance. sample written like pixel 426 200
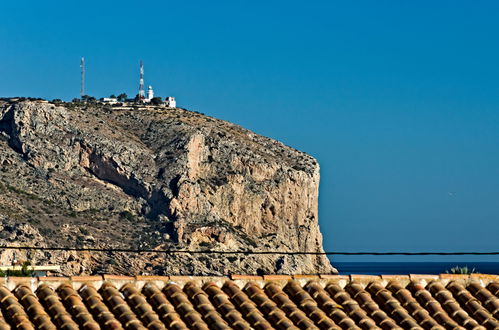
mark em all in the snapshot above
pixel 251 302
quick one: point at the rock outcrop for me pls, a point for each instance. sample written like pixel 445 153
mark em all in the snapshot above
pixel 93 176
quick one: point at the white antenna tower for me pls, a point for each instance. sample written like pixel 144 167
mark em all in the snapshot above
pixel 82 87
pixel 142 93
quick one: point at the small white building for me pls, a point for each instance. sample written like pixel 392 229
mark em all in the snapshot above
pixel 110 100
pixel 150 94
pixel 170 102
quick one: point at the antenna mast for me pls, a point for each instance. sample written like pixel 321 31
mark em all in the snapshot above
pixel 82 88
pixel 142 93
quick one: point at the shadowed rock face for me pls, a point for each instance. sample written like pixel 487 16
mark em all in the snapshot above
pixel 153 179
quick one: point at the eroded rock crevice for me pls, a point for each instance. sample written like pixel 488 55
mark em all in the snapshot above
pixel 108 170
pixel 157 179
pixel 8 127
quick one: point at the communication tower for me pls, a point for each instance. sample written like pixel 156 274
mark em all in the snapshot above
pixel 82 87
pixel 142 93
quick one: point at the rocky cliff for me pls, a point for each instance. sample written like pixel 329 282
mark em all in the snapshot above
pixel 87 175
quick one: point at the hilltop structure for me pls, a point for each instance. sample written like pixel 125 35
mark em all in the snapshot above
pixel 170 102
pixel 141 97
pixel 150 94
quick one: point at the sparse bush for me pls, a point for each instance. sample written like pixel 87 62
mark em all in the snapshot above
pixel 460 270
pixel 84 231
pixel 156 101
pixel 204 244
pixel 25 271
pixel 127 215
pixel 47 232
pixel 80 240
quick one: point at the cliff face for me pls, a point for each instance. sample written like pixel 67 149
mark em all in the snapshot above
pixel 153 179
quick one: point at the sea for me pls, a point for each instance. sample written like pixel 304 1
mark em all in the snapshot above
pixel 402 268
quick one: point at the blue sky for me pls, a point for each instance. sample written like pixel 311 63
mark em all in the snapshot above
pixel 398 100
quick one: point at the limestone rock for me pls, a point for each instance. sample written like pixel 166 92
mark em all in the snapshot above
pixel 88 175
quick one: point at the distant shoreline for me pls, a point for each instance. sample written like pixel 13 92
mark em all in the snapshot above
pixel 402 268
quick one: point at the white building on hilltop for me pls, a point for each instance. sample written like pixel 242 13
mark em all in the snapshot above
pixel 110 100
pixel 170 102
pixel 150 94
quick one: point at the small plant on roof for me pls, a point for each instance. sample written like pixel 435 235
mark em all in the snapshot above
pixel 460 270
pixel 25 271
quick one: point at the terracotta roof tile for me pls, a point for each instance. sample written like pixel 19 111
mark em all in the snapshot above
pixel 309 305
pixel 152 278
pixel 407 301
pixel 366 302
pixel 451 306
pixel 364 278
pixel 55 308
pixel 118 278
pixel 473 306
pixel 33 308
pixel 203 304
pixel 75 306
pixel 350 306
pixel 13 310
pixel 334 277
pixel 184 307
pixel 247 307
pixel 141 308
pixel 494 288
pixel 329 306
pixel 305 277
pixel 99 310
pixel 268 307
pixel 426 300
pixel 224 306
pixel 86 278
pixel 395 310
pixel 53 278
pixel 163 307
pixel 119 307
pixel 487 299
pixel 277 277
pixel 246 277
pixel 273 302
pixel 487 277
pixel 274 292
pixel 423 277
pixel 454 276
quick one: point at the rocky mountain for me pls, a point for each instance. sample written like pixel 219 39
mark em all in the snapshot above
pixel 89 175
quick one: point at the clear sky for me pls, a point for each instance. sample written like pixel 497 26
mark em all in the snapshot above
pixel 398 100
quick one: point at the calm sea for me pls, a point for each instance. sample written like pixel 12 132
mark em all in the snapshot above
pixel 387 268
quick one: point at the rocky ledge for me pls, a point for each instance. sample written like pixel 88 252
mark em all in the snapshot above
pixel 87 175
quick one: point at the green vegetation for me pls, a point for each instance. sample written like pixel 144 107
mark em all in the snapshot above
pixel 84 231
pixel 156 100
pixel 22 192
pixel 127 215
pixel 461 270
pixel 25 271
pixel 88 98
pixel 204 244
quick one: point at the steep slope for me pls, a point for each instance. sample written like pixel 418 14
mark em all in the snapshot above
pixel 90 175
